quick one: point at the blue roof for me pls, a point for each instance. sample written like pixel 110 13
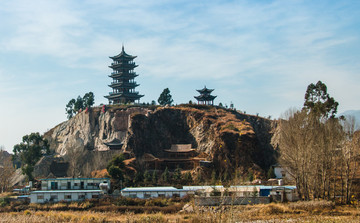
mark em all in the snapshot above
pixel 286 187
pixel 23 196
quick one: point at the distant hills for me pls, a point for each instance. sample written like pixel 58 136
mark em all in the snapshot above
pixel 355 114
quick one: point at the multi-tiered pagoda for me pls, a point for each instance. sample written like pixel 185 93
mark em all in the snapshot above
pixel 205 96
pixel 123 83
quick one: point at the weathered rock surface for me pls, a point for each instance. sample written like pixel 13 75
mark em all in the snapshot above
pixel 227 138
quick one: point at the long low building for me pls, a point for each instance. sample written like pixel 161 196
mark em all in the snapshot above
pixel 44 196
pixel 211 191
pixel 152 192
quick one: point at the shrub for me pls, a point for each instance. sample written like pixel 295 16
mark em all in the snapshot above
pixel 153 218
pixel 160 202
pixel 312 205
pixel 86 205
pixel 274 209
pixel 127 201
pixel 4 201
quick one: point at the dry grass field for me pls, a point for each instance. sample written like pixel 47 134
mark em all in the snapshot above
pixel 321 211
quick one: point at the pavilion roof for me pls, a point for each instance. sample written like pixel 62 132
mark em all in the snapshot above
pixel 205 97
pixel 205 90
pixel 123 55
pixel 180 148
pixel 114 142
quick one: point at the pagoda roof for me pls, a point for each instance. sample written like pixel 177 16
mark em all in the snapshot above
pixel 114 142
pixel 129 85
pixel 128 95
pixel 205 97
pixel 180 148
pixel 123 75
pixel 205 90
pixel 119 66
pixel 123 55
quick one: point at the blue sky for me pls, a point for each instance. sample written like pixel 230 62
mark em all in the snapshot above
pixel 260 55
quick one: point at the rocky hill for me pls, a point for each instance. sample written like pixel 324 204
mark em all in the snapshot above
pixel 231 141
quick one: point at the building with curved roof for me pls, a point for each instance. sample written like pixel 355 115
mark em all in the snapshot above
pixel 123 84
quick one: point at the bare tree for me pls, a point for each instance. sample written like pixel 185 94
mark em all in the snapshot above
pixel 6 171
pixel 308 149
pixel 295 145
pixel 75 162
pixel 309 143
pixel 349 156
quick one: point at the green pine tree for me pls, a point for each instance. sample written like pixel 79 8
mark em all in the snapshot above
pixel 165 97
pixel 155 177
pixel 187 178
pixel 271 173
pixel 147 177
pixel 165 176
pixel 177 174
pixel 213 177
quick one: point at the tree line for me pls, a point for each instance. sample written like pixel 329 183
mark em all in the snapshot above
pixel 318 149
pixel 122 178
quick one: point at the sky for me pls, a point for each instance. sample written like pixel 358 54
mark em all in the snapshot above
pixel 259 55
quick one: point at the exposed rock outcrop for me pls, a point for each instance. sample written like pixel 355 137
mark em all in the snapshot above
pixel 227 138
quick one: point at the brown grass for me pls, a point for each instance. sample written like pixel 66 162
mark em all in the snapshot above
pixel 167 210
pixel 293 212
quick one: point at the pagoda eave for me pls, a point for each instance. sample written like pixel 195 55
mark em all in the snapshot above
pixel 200 98
pixel 123 76
pixel 122 85
pixel 129 66
pixel 123 55
pixel 205 91
pixel 122 95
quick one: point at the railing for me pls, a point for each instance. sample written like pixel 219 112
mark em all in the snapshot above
pixel 123 73
pixel 124 63
pixel 122 92
pixel 120 82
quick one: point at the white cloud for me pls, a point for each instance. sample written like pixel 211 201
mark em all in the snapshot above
pixel 260 55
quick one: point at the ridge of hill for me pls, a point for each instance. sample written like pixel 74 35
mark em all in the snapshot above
pixel 231 141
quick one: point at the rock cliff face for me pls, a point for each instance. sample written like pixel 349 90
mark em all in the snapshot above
pixel 230 140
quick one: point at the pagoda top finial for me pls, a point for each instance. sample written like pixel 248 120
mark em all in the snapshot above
pixel 122 49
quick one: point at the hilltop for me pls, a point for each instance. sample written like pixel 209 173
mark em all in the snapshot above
pixel 229 140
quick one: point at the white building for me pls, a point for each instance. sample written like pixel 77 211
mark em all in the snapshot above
pixel 152 192
pixel 284 193
pixel 63 195
pixel 70 189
